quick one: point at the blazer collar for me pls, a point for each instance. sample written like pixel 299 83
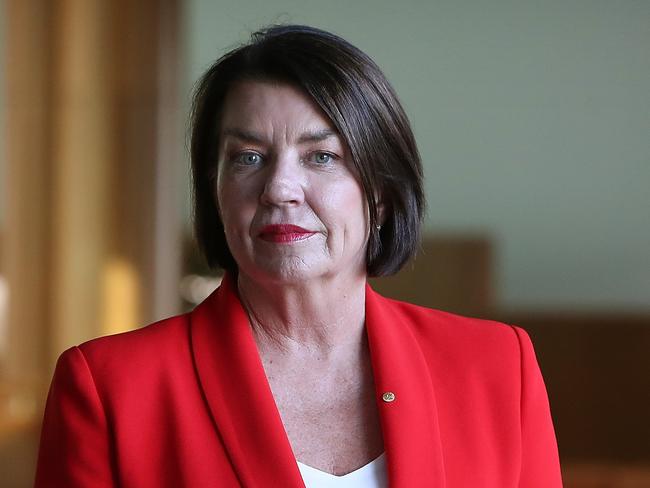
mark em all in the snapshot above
pixel 238 394
pixel 246 417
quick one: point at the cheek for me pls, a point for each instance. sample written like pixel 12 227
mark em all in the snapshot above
pixel 347 206
pixel 225 204
pixel 355 202
pixel 234 207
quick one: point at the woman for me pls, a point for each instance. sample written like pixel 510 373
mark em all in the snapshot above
pixel 307 180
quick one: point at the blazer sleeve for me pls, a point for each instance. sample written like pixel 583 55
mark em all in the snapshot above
pixel 74 448
pixel 540 465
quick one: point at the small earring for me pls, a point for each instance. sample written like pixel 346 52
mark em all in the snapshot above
pixel 378 226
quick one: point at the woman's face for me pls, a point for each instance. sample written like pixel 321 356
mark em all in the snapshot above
pixel 291 206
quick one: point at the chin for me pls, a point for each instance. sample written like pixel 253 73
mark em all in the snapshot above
pixel 284 271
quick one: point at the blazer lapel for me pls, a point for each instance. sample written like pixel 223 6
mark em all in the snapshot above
pixel 409 418
pixel 238 394
pixel 246 417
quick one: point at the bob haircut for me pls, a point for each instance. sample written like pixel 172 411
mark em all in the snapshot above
pixel 353 92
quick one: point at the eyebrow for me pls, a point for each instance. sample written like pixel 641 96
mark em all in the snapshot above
pixel 244 135
pixel 250 136
pixel 317 136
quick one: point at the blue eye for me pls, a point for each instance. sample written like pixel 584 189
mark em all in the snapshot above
pixel 322 158
pixel 248 158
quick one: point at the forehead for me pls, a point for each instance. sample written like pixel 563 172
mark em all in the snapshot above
pixel 270 107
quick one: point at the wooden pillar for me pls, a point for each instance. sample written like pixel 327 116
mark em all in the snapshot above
pixel 87 170
pixel 90 185
pixel 82 165
pixel 26 261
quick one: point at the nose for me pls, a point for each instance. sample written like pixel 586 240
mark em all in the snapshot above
pixel 284 182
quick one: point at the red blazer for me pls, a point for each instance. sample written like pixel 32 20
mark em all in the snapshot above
pixel 185 403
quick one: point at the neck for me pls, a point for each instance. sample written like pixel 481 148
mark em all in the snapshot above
pixel 307 317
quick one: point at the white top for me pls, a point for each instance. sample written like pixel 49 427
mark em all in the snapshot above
pixel 372 475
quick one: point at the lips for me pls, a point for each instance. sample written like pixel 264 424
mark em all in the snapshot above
pixel 284 233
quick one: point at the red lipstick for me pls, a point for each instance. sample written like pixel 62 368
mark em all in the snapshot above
pixel 284 233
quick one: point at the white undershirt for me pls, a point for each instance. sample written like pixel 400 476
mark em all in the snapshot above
pixel 372 475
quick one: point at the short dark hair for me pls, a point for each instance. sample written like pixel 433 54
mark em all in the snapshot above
pixel 353 92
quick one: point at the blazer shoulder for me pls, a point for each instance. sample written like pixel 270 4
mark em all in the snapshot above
pixel 429 320
pixel 153 343
pixel 456 337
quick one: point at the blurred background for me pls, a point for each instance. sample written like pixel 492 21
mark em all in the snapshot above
pixel 533 121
